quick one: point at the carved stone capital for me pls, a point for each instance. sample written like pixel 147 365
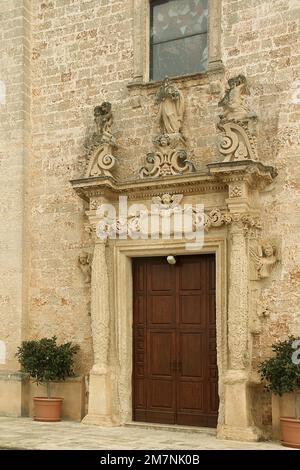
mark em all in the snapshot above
pixel 247 224
pixel 90 228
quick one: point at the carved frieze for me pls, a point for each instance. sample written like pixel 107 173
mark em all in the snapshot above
pixel 214 218
pixel 139 223
pixel 166 211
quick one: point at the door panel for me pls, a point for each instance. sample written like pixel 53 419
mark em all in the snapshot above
pixel 175 376
pixel 192 310
pixel 190 351
pixel 161 311
pixel 160 353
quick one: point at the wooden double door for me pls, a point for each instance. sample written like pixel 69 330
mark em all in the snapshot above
pixel 175 376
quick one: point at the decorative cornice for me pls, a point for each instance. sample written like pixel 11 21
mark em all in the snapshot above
pixel 255 173
pixel 196 183
pixel 216 180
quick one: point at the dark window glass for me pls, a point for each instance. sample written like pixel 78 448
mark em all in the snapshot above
pixel 178 37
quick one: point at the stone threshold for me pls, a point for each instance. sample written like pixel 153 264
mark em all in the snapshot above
pixel 172 427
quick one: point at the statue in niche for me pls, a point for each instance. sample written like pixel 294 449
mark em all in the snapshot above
pixel 234 103
pixel 264 258
pixel 169 157
pixel 84 263
pixel 103 120
pixel 171 108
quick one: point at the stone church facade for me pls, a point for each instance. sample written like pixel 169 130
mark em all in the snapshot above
pixel 82 124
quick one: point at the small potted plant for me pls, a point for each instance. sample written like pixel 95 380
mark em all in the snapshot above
pixel 281 374
pixel 45 361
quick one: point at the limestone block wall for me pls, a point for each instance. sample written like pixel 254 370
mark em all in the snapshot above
pixel 82 54
pixel 15 93
pixel 261 38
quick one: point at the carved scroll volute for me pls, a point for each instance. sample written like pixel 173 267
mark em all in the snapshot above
pixel 167 159
pixel 237 140
pixel 102 143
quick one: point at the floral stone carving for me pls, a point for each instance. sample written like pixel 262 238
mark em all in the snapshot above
pixel 237 123
pixel 167 207
pixel 102 143
pixel 167 159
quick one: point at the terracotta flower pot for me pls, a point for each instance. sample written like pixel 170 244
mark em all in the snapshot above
pixel 290 432
pixel 47 409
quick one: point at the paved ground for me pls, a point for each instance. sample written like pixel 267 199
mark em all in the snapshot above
pixel 23 433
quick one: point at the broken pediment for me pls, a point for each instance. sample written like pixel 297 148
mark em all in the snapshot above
pixel 102 143
pixel 238 124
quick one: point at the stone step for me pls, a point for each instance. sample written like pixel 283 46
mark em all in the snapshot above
pixel 172 427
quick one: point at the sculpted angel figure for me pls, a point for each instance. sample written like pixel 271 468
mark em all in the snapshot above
pixel 234 104
pixel 84 263
pixel 171 108
pixel 264 259
pixel 167 201
pixel 103 119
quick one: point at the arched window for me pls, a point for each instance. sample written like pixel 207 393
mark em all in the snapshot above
pixel 178 37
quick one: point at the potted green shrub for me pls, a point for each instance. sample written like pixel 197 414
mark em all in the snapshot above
pixel 45 361
pixel 281 374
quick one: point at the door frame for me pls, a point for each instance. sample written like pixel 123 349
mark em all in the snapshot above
pixel 124 251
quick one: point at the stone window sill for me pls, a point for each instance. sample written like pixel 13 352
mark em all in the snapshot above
pixel 216 69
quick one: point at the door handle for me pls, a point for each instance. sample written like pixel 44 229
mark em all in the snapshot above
pixel 174 366
pixel 179 366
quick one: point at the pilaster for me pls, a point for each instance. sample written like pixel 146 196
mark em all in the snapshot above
pixel 101 386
